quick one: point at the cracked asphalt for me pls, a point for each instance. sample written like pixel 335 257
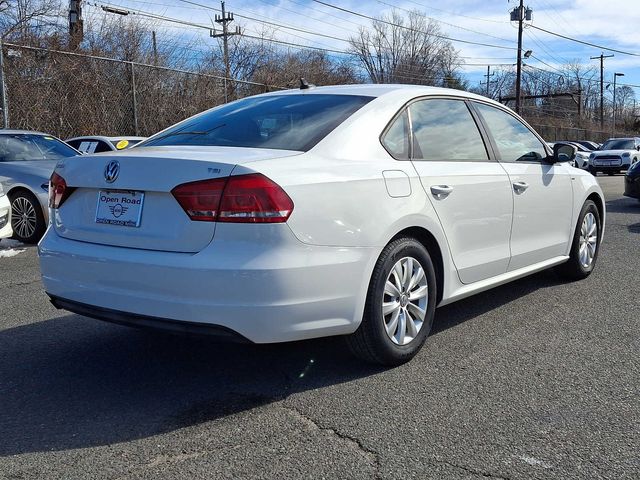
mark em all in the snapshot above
pixel 535 379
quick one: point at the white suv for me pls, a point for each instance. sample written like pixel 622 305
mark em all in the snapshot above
pixel 615 155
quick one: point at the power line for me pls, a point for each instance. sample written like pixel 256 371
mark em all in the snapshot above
pixel 456 14
pixel 443 22
pixel 583 42
pixel 444 37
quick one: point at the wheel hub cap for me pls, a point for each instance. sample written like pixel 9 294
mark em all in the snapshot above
pixel 588 242
pixel 404 302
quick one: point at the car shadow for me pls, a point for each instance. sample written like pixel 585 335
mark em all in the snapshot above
pixel 623 205
pixel 72 382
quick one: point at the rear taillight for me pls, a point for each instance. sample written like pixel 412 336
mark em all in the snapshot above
pixel 254 199
pixel 58 190
pixel 200 200
pixel 251 198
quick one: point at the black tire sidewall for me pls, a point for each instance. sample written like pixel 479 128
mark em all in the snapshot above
pixel 40 222
pixel 390 351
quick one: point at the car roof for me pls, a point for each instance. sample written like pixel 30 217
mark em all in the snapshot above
pixel 9 131
pixel 378 90
pixel 104 138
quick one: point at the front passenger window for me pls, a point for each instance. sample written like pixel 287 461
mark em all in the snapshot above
pixel 515 142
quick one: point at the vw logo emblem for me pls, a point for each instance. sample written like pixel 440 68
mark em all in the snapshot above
pixel 111 171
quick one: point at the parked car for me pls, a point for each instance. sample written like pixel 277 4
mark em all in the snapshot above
pixel 615 155
pixel 98 144
pixel 346 210
pixel 5 215
pixel 582 155
pixel 26 162
pixel 632 181
pixel 589 145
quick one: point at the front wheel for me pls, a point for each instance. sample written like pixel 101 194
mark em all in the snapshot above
pixel 27 219
pixel 585 245
pixel 400 305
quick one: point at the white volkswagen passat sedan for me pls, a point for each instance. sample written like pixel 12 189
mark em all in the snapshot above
pixel 350 210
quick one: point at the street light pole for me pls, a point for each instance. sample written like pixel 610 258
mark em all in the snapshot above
pixel 613 124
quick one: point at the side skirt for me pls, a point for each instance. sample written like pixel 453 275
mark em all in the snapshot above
pixel 467 290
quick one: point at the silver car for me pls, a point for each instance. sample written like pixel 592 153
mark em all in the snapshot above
pixel 98 144
pixel 27 160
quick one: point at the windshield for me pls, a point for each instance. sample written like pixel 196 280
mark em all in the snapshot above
pixel 618 144
pixel 16 147
pixel 286 122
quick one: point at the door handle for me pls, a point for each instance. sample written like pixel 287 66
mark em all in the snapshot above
pixel 441 191
pixel 520 187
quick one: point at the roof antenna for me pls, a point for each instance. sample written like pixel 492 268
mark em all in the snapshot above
pixel 304 85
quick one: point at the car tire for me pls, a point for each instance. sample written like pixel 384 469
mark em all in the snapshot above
pixel 404 275
pixel 585 242
pixel 27 219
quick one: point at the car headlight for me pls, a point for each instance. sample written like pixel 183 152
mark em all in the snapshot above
pixel 626 155
pixel 592 156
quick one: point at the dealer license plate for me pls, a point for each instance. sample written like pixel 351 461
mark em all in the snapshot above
pixel 119 207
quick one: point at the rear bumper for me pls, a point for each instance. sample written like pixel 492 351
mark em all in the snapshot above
pixel 144 321
pixel 632 186
pixel 258 281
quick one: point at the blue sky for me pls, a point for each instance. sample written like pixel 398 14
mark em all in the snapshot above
pixel 615 26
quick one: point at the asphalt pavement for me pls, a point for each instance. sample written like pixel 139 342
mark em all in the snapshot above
pixel 535 379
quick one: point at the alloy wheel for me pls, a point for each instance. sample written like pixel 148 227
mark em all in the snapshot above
pixel 588 240
pixel 23 217
pixel 404 302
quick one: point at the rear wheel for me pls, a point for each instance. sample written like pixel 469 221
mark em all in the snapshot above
pixel 585 246
pixel 27 219
pixel 400 305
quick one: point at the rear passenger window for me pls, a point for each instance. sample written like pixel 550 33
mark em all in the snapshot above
pixel 103 147
pixel 444 130
pixel 515 142
pixel 396 139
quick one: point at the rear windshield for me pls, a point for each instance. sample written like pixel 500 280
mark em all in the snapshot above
pixel 15 147
pixel 620 144
pixel 284 122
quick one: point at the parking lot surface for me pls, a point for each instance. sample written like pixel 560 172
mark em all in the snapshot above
pixel 535 379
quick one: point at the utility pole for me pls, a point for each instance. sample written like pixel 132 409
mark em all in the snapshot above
pixel 602 57
pixel 520 14
pixel 224 20
pixel 488 75
pixel 4 102
pixel 76 31
pixel 155 47
pixel 613 122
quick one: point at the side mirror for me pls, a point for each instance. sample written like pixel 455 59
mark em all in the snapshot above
pixel 563 152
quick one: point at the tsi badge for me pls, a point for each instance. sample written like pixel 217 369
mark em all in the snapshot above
pixel 111 171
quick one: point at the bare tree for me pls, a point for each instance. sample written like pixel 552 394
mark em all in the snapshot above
pixel 24 19
pixel 411 49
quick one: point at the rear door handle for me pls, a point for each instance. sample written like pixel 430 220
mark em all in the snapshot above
pixel 441 191
pixel 520 187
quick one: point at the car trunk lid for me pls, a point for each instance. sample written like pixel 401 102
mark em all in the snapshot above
pixel 137 209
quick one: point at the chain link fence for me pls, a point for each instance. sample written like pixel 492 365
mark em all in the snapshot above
pixel 69 94
pixel 553 133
